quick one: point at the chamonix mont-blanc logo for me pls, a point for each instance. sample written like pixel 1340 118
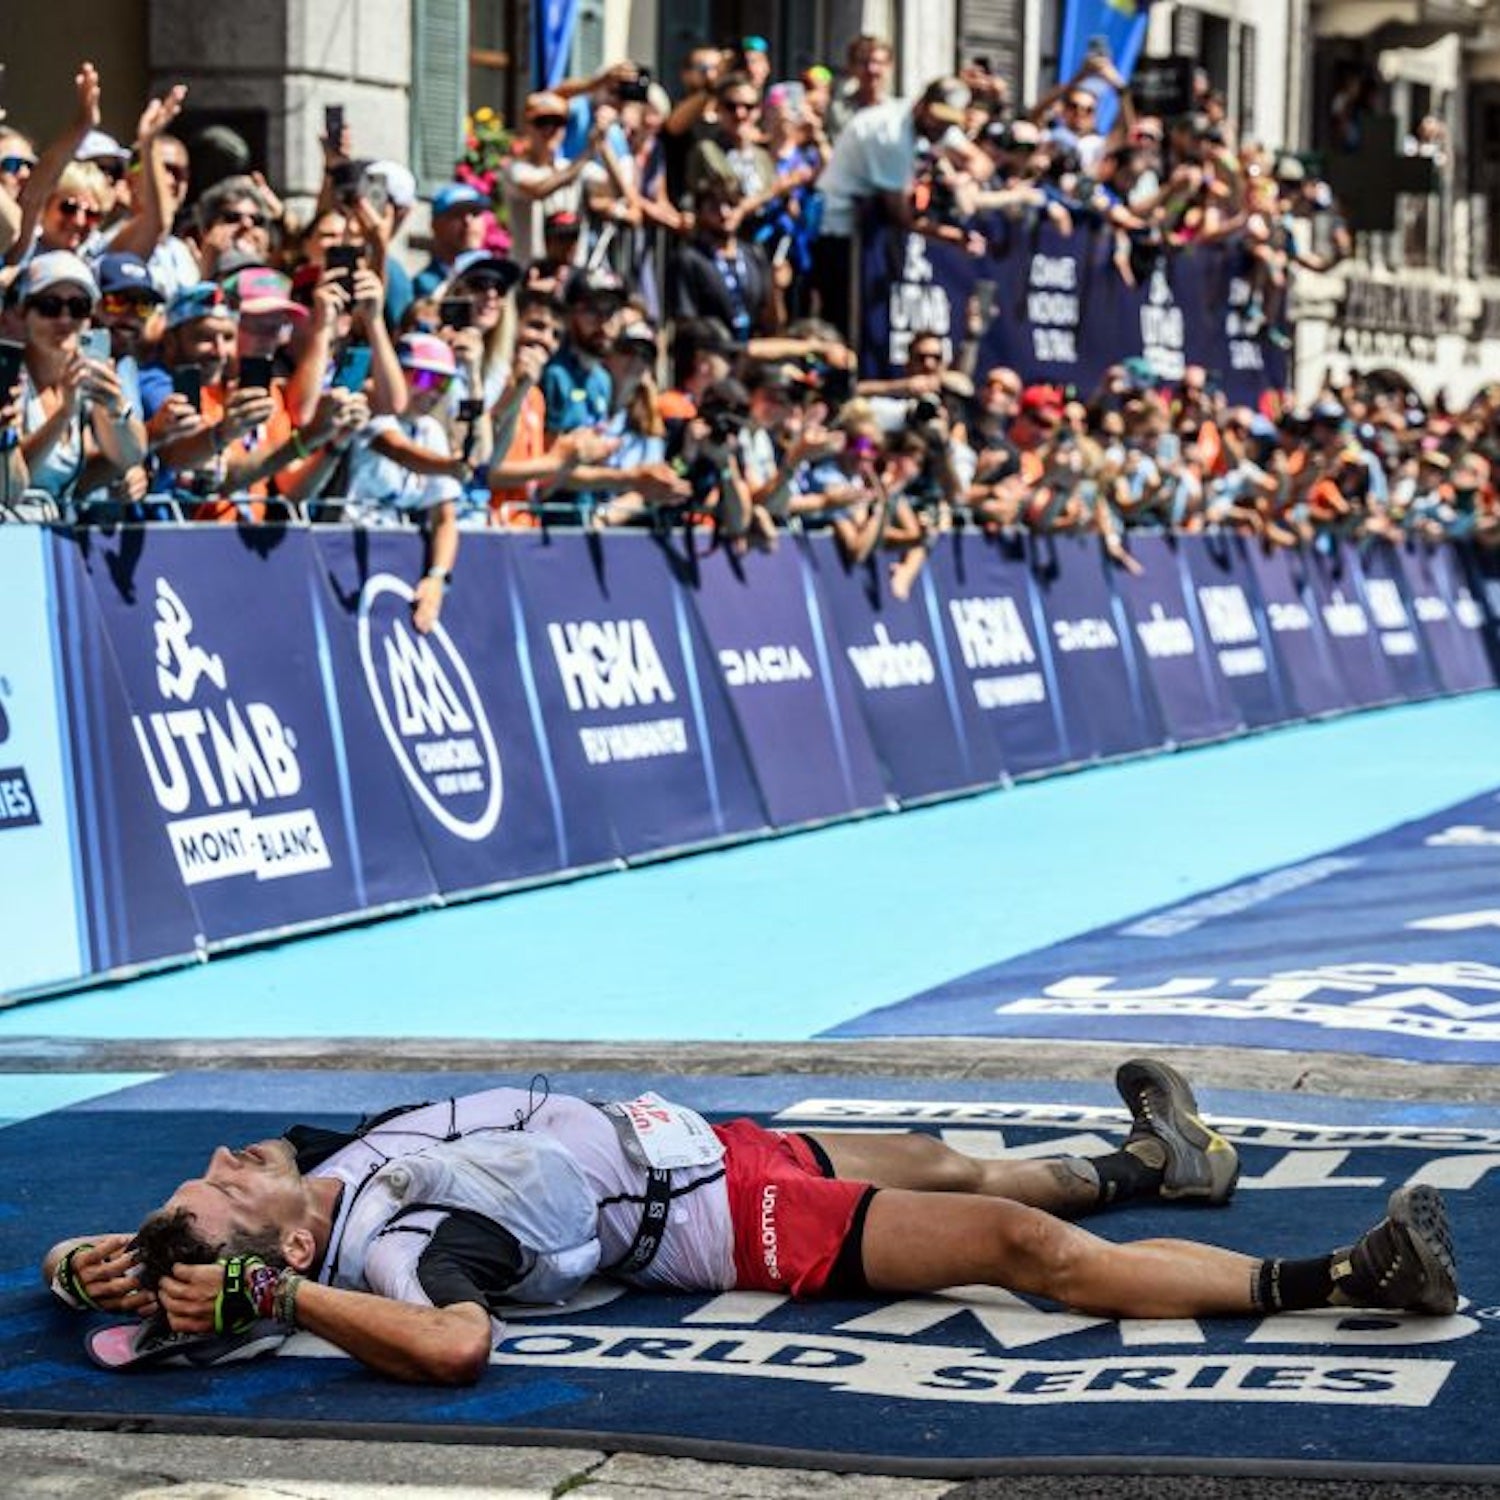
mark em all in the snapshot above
pixel 430 712
pixel 222 769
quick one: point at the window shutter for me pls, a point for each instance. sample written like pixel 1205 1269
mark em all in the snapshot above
pixel 1187 32
pixel 1247 82
pixel 588 39
pixel 439 88
pixel 993 29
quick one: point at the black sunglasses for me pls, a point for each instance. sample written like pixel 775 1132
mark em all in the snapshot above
pixel 77 308
pixel 242 216
pixel 15 165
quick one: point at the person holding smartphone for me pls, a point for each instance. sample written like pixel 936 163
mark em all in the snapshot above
pixel 77 420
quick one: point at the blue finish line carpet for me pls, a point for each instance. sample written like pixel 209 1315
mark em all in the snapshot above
pixel 968 1382
pixel 1390 947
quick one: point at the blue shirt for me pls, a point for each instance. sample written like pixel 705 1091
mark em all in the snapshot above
pixel 577 393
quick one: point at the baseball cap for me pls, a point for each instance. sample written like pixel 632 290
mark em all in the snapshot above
pixel 597 285
pixel 426 351
pixel 1330 412
pixel 1039 399
pixel 754 44
pixel 946 99
pixel 120 271
pixel 400 185
pixel 56 268
pixel 259 289
pixel 482 262
pixel 206 299
pixel 99 145
pixel 639 333
pixel 456 195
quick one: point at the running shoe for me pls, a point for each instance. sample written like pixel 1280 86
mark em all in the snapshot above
pixel 1405 1262
pixel 1200 1163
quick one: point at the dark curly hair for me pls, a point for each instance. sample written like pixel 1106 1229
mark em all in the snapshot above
pixel 170 1238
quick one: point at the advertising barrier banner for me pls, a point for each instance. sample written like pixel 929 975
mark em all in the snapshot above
pixel 636 707
pixel 1335 588
pixel 1175 655
pixel 130 893
pixel 233 715
pixel 448 715
pixel 1108 705
pixel 789 685
pixel 920 722
pixel 1481 567
pixel 1001 651
pixel 1066 308
pixel 1311 680
pixel 1233 622
pixel 1403 642
pixel 1450 610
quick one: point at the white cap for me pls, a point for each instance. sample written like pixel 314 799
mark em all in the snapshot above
pixel 57 268
pixel 98 144
pixel 400 185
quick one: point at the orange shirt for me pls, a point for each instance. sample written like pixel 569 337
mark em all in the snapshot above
pixel 276 431
pixel 508 507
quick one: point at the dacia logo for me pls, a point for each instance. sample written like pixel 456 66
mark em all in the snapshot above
pixel 430 712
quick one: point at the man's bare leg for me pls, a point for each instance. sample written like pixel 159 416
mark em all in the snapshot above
pixel 921 1242
pixel 1169 1153
pixel 1065 1185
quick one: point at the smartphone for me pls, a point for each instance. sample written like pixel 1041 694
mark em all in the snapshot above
pixel 345 260
pixel 353 368
pixel 256 371
pixel 93 343
pixel 12 357
pixel 470 409
pixel 187 380
pixel 783 249
pixel 1169 448
pixel 333 124
pixel 983 64
pixel 1099 45
pixel 984 297
pixel 456 312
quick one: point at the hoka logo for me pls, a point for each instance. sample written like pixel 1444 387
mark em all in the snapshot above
pixel 421 693
pixel 180 665
pixel 609 664
pixel 991 634
pixel 1227 612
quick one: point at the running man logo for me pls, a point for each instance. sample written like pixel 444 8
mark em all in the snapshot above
pixel 17 804
pixel 430 712
pixel 218 761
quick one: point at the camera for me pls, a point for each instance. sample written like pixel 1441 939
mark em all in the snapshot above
pixel 470 409
pixel 924 411
pixel 633 91
pixel 723 423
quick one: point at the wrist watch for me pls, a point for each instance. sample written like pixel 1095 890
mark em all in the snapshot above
pixel 443 575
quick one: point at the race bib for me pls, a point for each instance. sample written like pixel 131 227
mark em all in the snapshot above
pixel 662 1136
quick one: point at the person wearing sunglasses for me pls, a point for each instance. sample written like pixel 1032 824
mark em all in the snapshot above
pixel 17 161
pixel 74 209
pixel 79 427
pixel 233 220
pixel 404 469
pixel 541 182
pixel 103 152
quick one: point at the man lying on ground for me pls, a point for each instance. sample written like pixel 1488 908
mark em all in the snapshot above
pixel 403 1241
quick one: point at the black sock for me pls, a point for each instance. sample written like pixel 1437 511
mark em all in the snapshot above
pixel 1122 1175
pixel 1292 1285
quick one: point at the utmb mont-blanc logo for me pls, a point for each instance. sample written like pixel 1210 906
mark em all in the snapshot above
pixel 430 712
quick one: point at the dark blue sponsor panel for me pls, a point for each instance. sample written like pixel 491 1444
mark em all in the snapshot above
pixel 449 715
pixel 1175 655
pixel 232 714
pixel 1481 567
pixel 1109 706
pixel 1310 676
pixel 1065 308
pixel 1001 650
pixel 789 686
pixel 635 707
pixel 1334 587
pixel 1393 614
pixel 1449 604
pixel 1221 588
pixel 919 717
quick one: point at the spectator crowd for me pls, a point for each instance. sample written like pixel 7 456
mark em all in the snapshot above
pixel 636 310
